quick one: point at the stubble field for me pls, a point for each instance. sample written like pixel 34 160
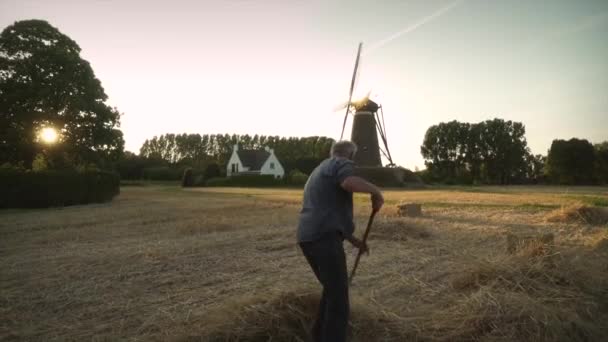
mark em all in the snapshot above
pixel 161 263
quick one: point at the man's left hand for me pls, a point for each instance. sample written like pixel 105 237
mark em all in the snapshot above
pixel 362 246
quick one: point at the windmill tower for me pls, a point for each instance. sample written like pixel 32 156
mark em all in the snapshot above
pixel 364 135
pixel 369 134
pixel 368 124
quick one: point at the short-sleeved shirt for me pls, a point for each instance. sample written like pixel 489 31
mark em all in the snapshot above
pixel 326 206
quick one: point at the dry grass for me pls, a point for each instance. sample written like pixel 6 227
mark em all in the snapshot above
pixel 580 213
pixel 288 316
pixel 221 264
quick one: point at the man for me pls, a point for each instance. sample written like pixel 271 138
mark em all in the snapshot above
pixel 326 219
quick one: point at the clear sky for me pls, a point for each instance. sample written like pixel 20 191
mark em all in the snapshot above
pixel 279 67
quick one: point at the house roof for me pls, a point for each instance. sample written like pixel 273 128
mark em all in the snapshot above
pixel 253 159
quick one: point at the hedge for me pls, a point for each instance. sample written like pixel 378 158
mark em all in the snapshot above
pixel 389 177
pixel 163 173
pixel 246 181
pixel 28 189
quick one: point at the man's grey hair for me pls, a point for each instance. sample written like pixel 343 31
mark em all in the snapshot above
pixel 343 148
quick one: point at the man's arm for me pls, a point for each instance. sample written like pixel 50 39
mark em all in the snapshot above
pixel 358 184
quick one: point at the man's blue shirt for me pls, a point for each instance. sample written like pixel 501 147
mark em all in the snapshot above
pixel 326 206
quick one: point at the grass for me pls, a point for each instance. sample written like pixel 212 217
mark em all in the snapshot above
pixel 161 263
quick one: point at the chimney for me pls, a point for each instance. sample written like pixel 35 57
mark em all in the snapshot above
pixel 235 147
pixel 268 149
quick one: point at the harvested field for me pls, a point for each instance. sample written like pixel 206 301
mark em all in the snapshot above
pixel 160 263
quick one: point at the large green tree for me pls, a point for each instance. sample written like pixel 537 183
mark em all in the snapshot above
pixel 571 161
pixel 601 162
pixel 493 151
pixel 45 82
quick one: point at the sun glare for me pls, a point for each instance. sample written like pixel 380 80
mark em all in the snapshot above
pixel 49 135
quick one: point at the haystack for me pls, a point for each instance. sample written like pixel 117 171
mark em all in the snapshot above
pixel 527 297
pixel 579 213
pixel 409 209
pixel 531 244
pixel 289 316
pixel 400 230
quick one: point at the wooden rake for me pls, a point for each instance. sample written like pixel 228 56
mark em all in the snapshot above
pixel 369 227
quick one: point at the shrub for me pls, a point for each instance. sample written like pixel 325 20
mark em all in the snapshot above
pixel 389 177
pixel 188 178
pixel 40 163
pixel 245 181
pixel 162 173
pixel 212 171
pixel 217 181
pixel 296 177
pixel 27 189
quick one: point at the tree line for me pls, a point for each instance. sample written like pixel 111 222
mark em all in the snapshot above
pixel 496 152
pixel 177 151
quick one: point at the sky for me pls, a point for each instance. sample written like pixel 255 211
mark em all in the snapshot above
pixel 280 67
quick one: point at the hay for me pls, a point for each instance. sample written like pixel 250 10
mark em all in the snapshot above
pixel 410 209
pixel 288 316
pixel 160 265
pixel 531 244
pixel 579 213
pixel 525 298
pixel 399 230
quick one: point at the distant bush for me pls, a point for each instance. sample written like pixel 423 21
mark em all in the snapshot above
pixel 27 189
pixel 212 171
pixel 162 173
pixel 296 177
pixel 389 177
pixel 40 163
pixel 217 181
pixel 245 181
pixel 188 178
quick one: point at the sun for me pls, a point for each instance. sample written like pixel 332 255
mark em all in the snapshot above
pixel 49 135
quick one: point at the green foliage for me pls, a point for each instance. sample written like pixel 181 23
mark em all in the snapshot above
pixel 601 162
pixel 245 181
pixel 188 178
pixel 14 167
pixel 388 177
pixel 27 189
pixel 89 167
pixel 131 166
pixel 39 163
pixel 162 173
pixel 44 81
pixel 493 151
pixel 571 161
pixel 297 177
pixel 212 171
pixel 198 151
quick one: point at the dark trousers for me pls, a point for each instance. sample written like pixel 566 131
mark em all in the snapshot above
pixel 328 262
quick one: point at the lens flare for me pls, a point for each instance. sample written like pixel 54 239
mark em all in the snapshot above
pixel 49 135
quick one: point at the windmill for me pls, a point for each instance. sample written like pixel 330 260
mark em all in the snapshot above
pixel 368 124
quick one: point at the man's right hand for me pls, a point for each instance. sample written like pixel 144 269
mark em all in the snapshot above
pixel 377 201
pixel 362 246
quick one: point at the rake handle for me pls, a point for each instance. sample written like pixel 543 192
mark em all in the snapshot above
pixel 369 227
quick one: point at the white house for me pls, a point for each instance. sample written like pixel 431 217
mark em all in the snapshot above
pixel 257 162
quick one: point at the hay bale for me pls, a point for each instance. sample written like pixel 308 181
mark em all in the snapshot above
pixel 289 316
pixel 410 210
pixel 400 230
pixel 530 244
pixel 579 213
